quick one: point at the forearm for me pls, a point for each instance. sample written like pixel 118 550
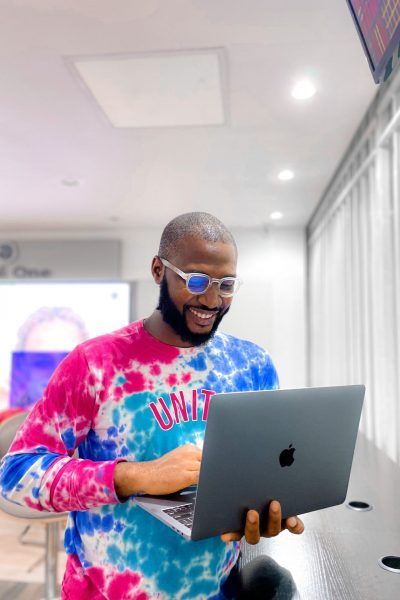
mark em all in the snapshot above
pixel 130 478
pixel 167 474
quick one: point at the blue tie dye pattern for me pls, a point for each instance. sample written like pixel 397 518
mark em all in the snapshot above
pixel 13 468
pixel 122 535
pixel 135 539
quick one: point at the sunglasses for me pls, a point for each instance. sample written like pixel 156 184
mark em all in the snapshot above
pixel 198 283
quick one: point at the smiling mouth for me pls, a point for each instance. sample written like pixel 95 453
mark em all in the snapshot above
pixel 202 314
pixel 202 318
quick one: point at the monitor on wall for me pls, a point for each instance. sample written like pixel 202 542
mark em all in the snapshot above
pixel 378 25
pixel 41 322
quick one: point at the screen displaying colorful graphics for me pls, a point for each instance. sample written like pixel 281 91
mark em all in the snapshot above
pixel 30 373
pixel 51 318
pixel 378 23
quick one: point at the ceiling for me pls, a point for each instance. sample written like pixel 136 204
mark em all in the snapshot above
pixel 52 129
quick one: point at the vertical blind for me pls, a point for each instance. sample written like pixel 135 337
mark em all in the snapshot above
pixel 353 243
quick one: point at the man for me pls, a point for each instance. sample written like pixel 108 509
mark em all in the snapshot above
pixel 135 403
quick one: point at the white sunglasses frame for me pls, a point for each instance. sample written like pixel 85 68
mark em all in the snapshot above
pixel 211 280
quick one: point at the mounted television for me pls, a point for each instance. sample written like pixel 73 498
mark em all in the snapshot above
pixel 378 25
pixel 40 322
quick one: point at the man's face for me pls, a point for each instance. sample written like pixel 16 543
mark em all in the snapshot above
pixel 195 318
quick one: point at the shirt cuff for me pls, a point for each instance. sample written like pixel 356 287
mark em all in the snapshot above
pixel 79 484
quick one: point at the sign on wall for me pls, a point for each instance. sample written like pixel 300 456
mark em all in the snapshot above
pixel 61 259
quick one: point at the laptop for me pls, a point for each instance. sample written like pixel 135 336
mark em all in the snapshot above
pixel 295 446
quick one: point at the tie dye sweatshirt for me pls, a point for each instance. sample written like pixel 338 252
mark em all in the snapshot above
pixel 127 396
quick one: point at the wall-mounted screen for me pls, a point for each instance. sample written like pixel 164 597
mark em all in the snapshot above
pixel 378 24
pixel 30 372
pixel 41 322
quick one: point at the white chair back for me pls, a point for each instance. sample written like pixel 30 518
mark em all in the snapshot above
pixel 8 429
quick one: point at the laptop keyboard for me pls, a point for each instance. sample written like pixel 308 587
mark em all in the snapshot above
pixel 183 514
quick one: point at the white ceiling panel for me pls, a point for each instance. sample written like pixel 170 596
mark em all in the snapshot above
pixel 166 89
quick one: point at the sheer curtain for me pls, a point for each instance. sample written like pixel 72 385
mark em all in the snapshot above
pixel 353 242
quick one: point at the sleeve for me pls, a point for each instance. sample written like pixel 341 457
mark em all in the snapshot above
pixel 39 470
pixel 269 377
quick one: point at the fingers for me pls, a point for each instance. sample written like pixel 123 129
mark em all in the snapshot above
pixel 192 473
pixel 251 532
pixel 252 528
pixel 294 525
pixel 193 465
pixel 231 537
pixel 195 450
pixel 274 526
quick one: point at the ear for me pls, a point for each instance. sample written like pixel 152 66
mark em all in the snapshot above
pixel 157 270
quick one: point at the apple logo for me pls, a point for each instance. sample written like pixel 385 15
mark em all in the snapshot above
pixel 286 456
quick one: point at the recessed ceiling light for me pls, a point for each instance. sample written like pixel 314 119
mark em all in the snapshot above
pixel 285 175
pixel 275 216
pixel 303 90
pixel 70 182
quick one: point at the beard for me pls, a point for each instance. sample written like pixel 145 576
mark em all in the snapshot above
pixel 177 321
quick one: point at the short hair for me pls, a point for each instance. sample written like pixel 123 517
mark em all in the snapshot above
pixel 195 224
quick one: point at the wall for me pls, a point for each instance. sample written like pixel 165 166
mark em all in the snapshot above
pixel 269 308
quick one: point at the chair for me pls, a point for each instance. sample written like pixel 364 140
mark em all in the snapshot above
pixel 51 521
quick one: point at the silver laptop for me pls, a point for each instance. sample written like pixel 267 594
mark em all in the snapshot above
pixel 295 446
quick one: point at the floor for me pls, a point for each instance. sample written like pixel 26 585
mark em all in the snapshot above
pixel 16 590
pixel 22 564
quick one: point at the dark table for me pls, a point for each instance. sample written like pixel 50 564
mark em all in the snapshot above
pixel 336 558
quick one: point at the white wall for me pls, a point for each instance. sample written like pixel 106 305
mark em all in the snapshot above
pixel 269 308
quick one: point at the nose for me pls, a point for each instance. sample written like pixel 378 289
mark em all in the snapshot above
pixel 211 297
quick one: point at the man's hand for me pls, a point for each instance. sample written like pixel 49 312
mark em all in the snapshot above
pixel 274 525
pixel 173 471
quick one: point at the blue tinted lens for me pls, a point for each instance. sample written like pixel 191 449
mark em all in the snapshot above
pixel 197 283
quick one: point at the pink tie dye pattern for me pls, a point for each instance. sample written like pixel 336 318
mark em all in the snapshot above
pixel 110 399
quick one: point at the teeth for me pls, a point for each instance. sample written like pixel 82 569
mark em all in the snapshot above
pixel 202 315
